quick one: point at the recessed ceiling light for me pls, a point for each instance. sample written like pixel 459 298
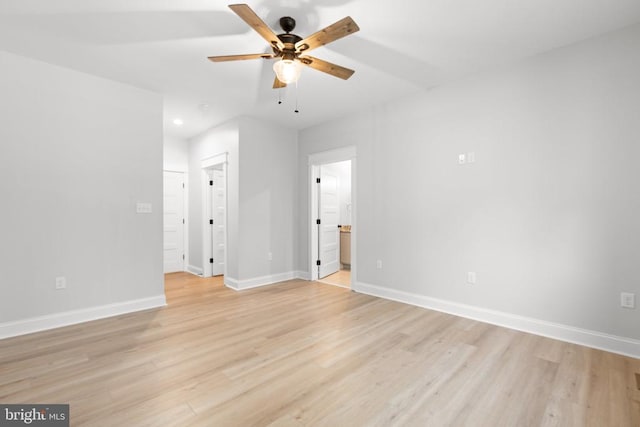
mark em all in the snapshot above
pixel 178 122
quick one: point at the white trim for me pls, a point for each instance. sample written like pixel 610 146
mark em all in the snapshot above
pixel 615 344
pixel 314 174
pixel 332 156
pixel 231 283
pixel 194 270
pixel 303 275
pixel 241 285
pixel 216 159
pixel 57 320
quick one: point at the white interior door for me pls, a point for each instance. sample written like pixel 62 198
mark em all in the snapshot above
pixel 329 233
pixel 219 225
pixel 173 207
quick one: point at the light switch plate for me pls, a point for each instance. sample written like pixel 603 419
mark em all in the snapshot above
pixel 627 300
pixel 471 157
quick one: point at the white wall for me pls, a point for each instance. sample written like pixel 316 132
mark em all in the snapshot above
pixel 547 216
pixel 261 193
pixel 268 199
pixel 175 154
pixel 76 154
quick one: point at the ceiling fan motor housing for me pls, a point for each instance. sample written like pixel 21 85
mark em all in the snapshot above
pixel 287 23
pixel 289 40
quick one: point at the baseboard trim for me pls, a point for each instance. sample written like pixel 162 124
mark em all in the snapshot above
pixel 195 270
pixel 241 285
pixel 57 320
pixel 231 283
pixel 303 275
pixel 602 341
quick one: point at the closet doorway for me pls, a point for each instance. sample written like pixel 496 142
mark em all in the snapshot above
pixel 332 221
pixel 214 174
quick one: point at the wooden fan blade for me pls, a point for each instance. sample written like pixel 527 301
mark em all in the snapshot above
pixel 224 58
pixel 327 67
pixel 277 84
pixel 333 32
pixel 254 21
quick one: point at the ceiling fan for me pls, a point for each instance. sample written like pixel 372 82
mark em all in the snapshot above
pixel 291 48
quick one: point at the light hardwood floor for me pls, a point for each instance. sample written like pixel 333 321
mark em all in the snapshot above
pixel 301 353
pixel 339 278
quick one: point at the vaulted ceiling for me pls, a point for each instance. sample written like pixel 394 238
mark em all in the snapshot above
pixel 403 46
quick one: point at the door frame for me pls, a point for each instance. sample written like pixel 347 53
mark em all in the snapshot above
pixel 314 162
pixel 185 214
pixel 206 165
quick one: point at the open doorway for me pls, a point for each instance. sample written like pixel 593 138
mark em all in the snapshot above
pixel 332 220
pixel 214 174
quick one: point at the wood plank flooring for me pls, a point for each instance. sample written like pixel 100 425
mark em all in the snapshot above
pixel 301 353
pixel 339 278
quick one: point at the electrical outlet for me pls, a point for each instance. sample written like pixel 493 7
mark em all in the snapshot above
pixel 61 282
pixel 461 159
pixel 379 264
pixel 627 300
pixel 270 256
pixel 471 277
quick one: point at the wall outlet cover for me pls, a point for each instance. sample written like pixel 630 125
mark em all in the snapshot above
pixel 471 277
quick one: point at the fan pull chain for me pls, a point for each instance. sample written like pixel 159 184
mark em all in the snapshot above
pixel 296 110
pixel 279 96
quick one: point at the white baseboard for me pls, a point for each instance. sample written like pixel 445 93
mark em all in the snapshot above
pixel 303 275
pixel 615 344
pixel 57 320
pixel 195 270
pixel 241 285
pixel 232 283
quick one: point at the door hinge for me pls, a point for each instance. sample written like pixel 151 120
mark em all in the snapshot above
pixel 183 257
pixel 211 182
pixel 317 180
pixel 211 222
pixel 318 221
pixel 210 260
pixel 183 185
pixel 183 220
pixel 318 262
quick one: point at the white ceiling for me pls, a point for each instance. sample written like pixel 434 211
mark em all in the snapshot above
pixel 403 46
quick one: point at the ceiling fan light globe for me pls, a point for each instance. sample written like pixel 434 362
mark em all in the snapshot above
pixel 287 70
